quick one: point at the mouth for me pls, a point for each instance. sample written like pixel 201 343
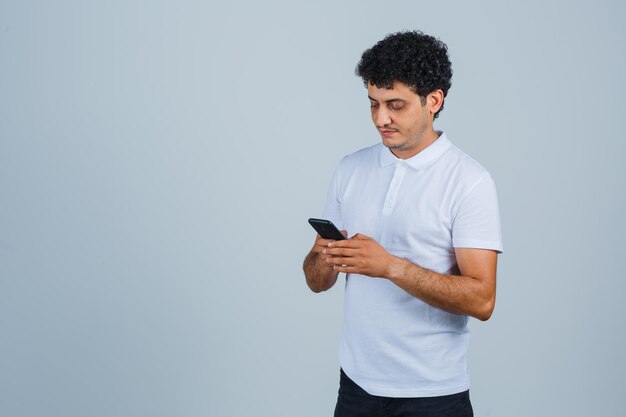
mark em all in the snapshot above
pixel 386 133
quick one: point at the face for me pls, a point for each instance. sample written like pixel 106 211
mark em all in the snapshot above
pixel 404 123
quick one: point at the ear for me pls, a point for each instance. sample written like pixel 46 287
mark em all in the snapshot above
pixel 434 101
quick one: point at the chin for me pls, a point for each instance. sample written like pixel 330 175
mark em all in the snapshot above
pixel 392 144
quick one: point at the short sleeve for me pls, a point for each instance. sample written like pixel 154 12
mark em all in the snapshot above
pixel 332 208
pixel 477 222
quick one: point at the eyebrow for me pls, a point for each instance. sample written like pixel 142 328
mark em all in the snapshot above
pixel 391 100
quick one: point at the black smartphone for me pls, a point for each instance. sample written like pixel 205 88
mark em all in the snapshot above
pixel 326 229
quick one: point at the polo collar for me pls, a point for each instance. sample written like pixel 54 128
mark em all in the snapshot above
pixel 423 158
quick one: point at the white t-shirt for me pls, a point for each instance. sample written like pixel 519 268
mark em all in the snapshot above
pixel 393 344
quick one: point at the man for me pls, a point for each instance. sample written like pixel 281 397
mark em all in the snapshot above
pixel 422 258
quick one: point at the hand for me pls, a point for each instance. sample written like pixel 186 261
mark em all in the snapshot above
pixel 360 255
pixel 321 244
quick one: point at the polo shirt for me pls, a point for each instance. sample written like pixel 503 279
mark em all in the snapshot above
pixel 392 343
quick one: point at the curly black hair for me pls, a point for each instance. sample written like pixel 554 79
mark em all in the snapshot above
pixel 411 57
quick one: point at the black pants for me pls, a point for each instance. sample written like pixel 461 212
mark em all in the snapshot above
pixel 353 401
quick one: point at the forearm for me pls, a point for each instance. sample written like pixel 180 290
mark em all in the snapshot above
pixel 320 276
pixel 453 293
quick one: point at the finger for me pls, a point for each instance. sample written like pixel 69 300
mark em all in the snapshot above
pixel 338 260
pixel 323 256
pixel 360 236
pixel 346 269
pixel 320 241
pixel 319 249
pixel 341 251
pixel 344 233
pixel 346 243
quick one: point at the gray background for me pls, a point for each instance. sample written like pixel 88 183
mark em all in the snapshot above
pixel 158 162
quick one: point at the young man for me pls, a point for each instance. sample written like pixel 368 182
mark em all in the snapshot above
pixel 425 237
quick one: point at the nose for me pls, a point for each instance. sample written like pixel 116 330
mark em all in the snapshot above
pixel 380 116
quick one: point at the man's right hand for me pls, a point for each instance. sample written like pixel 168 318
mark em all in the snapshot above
pixel 321 244
pixel 320 275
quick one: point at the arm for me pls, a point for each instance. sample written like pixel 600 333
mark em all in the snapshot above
pixel 320 275
pixel 471 293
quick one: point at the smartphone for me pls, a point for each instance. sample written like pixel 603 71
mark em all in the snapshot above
pixel 326 229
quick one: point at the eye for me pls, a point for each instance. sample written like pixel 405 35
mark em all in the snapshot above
pixel 373 105
pixel 396 105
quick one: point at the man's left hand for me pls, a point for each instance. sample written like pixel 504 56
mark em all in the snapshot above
pixel 360 255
